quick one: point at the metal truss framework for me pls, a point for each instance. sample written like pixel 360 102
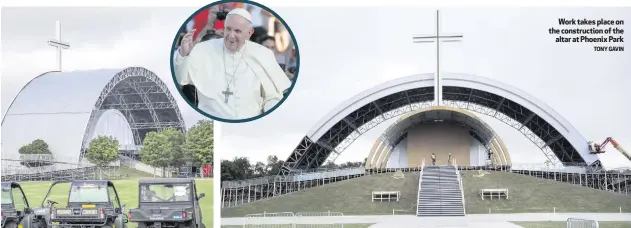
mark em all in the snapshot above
pixel 238 193
pixel 309 154
pixel 35 160
pixel 617 182
pixel 18 170
pixel 508 121
pixel 143 99
pixel 396 132
pixel 235 193
pixel 550 141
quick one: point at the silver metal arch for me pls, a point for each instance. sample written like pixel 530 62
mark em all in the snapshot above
pixel 368 96
pixel 127 76
pixel 539 110
pixel 63 107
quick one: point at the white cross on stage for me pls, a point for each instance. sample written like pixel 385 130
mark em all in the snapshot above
pixel 59 44
pixel 437 38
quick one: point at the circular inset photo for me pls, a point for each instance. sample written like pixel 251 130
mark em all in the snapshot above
pixel 235 61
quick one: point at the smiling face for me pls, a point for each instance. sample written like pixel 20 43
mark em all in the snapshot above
pixel 236 31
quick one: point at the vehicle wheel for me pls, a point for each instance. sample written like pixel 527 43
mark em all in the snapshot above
pixel 42 223
pixel 11 225
pixel 36 223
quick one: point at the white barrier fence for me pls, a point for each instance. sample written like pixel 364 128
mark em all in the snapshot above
pixel 581 223
pixel 255 220
pixel 549 167
pixel 267 215
pixel 317 214
pixel 497 210
pixel 329 174
pixel 234 193
pixel 291 214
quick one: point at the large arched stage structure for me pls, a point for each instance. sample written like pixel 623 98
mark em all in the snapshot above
pixel 62 108
pixel 555 136
pixel 392 148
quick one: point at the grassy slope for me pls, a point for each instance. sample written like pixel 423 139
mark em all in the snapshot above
pixel 527 194
pixel 127 192
pixel 351 197
pixel 531 194
pixel 131 173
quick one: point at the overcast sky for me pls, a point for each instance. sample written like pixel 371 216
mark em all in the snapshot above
pixel 347 50
pixel 343 52
pixel 99 38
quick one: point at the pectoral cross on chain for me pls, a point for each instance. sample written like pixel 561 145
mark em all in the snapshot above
pixel 227 94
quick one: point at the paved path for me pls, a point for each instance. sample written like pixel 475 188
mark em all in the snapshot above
pixel 404 221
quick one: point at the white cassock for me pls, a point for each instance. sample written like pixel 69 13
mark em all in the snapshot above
pixel 236 85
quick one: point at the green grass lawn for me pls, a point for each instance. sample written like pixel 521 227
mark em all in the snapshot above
pixel 530 194
pixel 351 197
pixel 564 224
pixel 127 192
pixel 131 173
pixel 526 194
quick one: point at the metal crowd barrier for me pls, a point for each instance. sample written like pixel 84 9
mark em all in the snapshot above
pixel 581 223
pixel 251 220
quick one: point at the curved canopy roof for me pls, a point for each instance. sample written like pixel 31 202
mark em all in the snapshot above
pixel 396 132
pixel 62 108
pixel 554 135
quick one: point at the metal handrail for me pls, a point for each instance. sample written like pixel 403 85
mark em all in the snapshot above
pixel 464 209
pixel 420 179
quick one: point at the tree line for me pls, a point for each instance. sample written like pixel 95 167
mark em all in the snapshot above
pixel 241 168
pixel 38 146
pixel 161 149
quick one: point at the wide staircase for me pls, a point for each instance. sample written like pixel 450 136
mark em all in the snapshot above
pixel 440 192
